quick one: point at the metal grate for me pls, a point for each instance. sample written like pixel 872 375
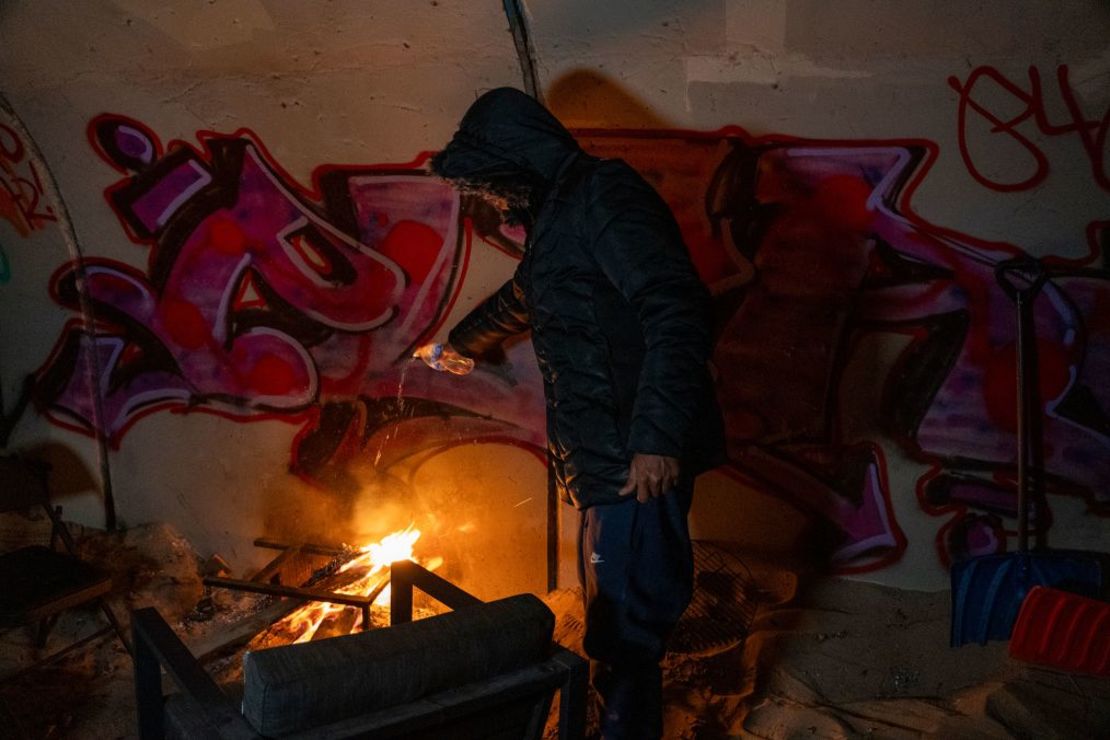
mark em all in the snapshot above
pixel 721 612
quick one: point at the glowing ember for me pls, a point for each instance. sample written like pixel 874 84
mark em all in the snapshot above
pixel 372 567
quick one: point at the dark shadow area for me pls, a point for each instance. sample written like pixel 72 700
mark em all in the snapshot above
pixel 584 98
pixel 69 474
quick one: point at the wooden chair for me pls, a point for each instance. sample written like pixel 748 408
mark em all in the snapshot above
pixel 39 581
pixel 484 670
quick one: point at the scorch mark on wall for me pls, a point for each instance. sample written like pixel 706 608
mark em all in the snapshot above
pixel 262 299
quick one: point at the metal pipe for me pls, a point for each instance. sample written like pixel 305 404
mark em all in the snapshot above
pixel 303 594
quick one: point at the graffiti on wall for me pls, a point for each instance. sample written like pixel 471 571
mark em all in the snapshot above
pixel 816 259
pixel 1011 116
pixel 22 198
pixel 263 299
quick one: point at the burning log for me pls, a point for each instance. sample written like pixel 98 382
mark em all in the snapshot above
pixel 336 624
pixel 356 578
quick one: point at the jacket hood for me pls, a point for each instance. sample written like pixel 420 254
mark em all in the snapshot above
pixel 505 133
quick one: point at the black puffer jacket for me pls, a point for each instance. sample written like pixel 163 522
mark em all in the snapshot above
pixel 619 318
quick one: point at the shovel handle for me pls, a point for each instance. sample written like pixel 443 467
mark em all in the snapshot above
pixel 1022 279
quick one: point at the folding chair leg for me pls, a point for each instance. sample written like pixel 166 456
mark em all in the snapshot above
pixel 120 631
pixel 572 702
pixel 46 624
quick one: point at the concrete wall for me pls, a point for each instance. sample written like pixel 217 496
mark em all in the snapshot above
pixel 259 249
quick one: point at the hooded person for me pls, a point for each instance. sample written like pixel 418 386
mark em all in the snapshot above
pixel 621 330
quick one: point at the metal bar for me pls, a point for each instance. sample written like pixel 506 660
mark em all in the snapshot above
pixel 373 595
pixel 572 694
pixel 409 574
pixel 1022 424
pixel 400 595
pixel 443 591
pixel 292 592
pixel 120 631
pixel 526 54
pixel 148 685
pixel 1022 279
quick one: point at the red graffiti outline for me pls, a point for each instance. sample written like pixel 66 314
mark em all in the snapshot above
pixel 895 553
pixel 901 204
pixel 1035 108
pixel 94 141
pixel 309 196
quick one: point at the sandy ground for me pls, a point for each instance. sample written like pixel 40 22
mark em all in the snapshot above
pixel 765 652
pixel 832 658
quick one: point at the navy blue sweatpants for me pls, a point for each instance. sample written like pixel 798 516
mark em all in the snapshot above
pixel 635 563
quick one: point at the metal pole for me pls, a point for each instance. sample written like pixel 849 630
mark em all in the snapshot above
pixel 1022 425
pixel 88 316
pixel 526 54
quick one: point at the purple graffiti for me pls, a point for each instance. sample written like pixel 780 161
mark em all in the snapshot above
pixel 815 257
pixel 259 299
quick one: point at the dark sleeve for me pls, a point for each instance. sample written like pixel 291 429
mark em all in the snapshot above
pixel 492 321
pixel 636 243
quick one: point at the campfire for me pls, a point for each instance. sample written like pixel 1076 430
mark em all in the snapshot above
pixel 349 592
pixel 369 569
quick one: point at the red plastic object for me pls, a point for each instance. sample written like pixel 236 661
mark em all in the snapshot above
pixel 1063 630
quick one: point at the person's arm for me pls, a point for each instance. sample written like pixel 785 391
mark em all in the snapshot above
pixel 637 245
pixel 491 322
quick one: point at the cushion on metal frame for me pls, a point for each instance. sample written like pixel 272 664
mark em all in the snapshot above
pixel 297 687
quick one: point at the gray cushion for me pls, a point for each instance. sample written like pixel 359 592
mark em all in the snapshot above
pixel 296 687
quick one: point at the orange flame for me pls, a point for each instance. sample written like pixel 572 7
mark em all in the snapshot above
pixel 374 559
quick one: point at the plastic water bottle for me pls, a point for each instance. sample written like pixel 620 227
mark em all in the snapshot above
pixel 435 358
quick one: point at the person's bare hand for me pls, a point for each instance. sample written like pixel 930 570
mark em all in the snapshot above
pixel 650 476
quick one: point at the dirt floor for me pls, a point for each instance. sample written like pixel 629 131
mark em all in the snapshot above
pixel 764 652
